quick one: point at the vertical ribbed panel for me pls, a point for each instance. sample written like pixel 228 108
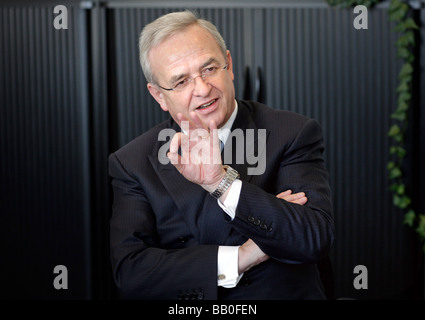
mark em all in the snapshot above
pixel 137 111
pixel 314 62
pixel 44 159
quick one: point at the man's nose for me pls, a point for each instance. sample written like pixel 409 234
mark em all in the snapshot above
pixel 201 87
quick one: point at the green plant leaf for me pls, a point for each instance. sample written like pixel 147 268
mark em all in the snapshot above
pixel 394 187
pixel 400 189
pixel 410 38
pixel 409 23
pixel 406 39
pixel 401 116
pixel 397 138
pixel 397 10
pixel 403 86
pixel 395 173
pixel 403 52
pixel 394 6
pixel 394 130
pixel 421 226
pixel 401 152
pixel 405 202
pixel 404 97
pixel 402 107
pixel 409 218
pixel 406 70
pixel 401 202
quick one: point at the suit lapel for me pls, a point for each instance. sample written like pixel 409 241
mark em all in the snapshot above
pixel 187 196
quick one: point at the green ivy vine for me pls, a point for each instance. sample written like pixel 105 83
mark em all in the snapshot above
pixel 399 13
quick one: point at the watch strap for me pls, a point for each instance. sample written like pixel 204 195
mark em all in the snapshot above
pixel 230 176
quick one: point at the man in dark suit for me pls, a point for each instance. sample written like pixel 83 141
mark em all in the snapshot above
pixel 193 222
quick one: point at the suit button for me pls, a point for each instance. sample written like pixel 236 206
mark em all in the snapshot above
pixel 257 222
pixel 200 296
pixel 269 229
pixel 245 281
pixel 263 226
pixel 182 296
pixel 251 218
pixel 182 239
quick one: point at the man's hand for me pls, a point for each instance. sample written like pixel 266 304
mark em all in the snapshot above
pixel 298 198
pixel 200 160
pixel 250 255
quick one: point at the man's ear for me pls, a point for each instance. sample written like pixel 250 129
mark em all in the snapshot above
pixel 230 65
pixel 157 94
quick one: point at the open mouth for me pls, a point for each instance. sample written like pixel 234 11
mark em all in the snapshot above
pixel 206 105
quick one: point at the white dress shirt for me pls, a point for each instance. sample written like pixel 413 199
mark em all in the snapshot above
pixel 227 262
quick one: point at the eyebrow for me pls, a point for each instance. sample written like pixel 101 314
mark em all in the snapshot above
pixel 176 78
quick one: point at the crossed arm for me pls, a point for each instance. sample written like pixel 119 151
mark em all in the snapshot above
pixel 208 174
pixel 250 254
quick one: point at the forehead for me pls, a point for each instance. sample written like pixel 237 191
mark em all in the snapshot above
pixel 184 51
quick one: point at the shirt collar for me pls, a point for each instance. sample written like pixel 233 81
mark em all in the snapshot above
pixel 224 131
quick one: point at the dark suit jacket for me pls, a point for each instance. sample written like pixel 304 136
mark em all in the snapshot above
pixel 165 231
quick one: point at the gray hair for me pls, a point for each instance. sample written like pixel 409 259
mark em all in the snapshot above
pixel 166 26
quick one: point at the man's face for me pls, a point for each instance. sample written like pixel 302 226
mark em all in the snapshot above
pixel 183 56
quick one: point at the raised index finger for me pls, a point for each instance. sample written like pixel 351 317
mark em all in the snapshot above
pixel 194 121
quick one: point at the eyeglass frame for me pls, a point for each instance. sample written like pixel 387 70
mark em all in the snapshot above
pixel 193 79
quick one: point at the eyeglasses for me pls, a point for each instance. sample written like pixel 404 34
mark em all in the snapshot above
pixel 206 73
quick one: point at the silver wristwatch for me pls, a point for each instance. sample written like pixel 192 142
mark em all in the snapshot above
pixel 231 175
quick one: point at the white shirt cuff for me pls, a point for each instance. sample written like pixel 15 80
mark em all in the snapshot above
pixel 227 266
pixel 232 199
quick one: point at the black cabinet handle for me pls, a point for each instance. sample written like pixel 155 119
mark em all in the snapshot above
pixel 258 93
pixel 247 90
pixel 259 87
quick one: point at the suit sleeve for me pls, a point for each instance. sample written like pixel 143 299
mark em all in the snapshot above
pixel 141 268
pixel 289 232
